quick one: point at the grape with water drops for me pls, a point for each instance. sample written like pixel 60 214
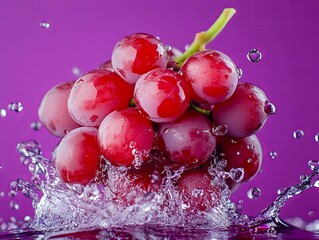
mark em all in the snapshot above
pixel 77 158
pixel 162 95
pixel 187 141
pixel 153 117
pixel 137 54
pixel 96 94
pixel 53 111
pixel 125 137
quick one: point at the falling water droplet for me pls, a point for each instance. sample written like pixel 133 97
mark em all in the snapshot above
pixel 254 193
pixel 16 106
pixel 269 108
pixel 1 194
pixel 239 72
pixel 236 174
pixel 14 205
pixel 254 55
pixel 76 71
pixel 314 165
pixel 3 113
pixel 317 137
pixel 298 134
pixel 35 125
pixel 45 24
pixel 273 154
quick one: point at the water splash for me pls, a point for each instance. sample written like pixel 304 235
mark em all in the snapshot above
pixel 61 207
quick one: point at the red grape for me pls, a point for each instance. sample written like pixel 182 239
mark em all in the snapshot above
pixel 162 95
pixel 245 112
pixel 243 153
pixel 53 111
pixel 77 157
pixel 137 54
pixel 96 94
pixel 124 134
pixel 213 76
pixel 198 191
pixel 187 141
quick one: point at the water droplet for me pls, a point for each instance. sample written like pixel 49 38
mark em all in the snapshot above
pixel 197 192
pixel 311 213
pixel 239 72
pixel 1 194
pixel 14 205
pixel 317 137
pixel 269 108
pixel 314 165
pixel 12 193
pixel 0 166
pixel 219 130
pixel 132 144
pixel 186 47
pixel 272 231
pixel 3 113
pixel 303 178
pixel 298 134
pixel 16 106
pixel 236 174
pixel 45 24
pixel 254 55
pixel 316 184
pixel 273 154
pixel 35 125
pixel 249 160
pixel 254 193
pixel 76 71
pixel 250 146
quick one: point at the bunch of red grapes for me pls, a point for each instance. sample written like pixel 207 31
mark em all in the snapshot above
pixel 145 113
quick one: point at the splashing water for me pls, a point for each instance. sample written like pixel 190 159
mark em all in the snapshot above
pixel 61 207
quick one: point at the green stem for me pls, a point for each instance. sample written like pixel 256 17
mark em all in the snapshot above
pixel 207 113
pixel 203 38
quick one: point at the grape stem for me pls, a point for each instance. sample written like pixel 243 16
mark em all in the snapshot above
pixel 205 37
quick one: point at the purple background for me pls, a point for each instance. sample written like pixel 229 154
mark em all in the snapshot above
pixel 83 33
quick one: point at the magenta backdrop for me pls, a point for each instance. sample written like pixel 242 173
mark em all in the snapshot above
pixel 82 34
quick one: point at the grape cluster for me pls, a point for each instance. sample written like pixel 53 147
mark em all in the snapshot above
pixel 144 112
